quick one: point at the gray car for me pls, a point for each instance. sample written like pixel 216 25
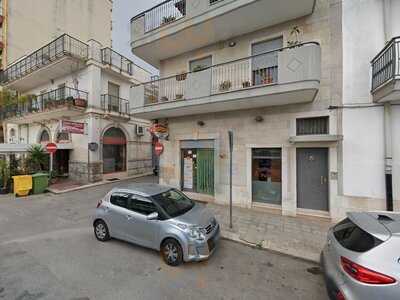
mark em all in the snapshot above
pixel 361 260
pixel 160 218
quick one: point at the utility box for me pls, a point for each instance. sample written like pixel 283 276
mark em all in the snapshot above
pixel 22 185
pixel 40 182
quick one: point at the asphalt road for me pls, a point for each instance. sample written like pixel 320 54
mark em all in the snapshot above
pixel 48 251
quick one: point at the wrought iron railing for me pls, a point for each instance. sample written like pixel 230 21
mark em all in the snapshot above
pixel 112 103
pixel 163 14
pixel 64 45
pixel 112 58
pixel 244 73
pixel 55 99
pixel 386 65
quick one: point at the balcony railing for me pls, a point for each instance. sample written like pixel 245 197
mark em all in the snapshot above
pixel 64 45
pixel 254 71
pixel 112 58
pixel 55 99
pixel 115 104
pixel 163 14
pixel 386 65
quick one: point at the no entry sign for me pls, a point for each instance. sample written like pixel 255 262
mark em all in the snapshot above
pixel 51 147
pixel 158 148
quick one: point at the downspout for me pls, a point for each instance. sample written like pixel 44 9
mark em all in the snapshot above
pixel 387 115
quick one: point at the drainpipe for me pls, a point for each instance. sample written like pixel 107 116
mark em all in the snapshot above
pixel 388 155
pixel 387 24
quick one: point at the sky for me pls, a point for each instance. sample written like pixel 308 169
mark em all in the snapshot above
pixel 123 11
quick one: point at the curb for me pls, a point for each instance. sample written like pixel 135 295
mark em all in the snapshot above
pixel 58 192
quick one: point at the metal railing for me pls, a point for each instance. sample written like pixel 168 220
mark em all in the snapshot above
pixel 253 71
pixel 112 58
pixel 386 65
pixel 162 14
pixel 112 103
pixel 64 45
pixel 55 99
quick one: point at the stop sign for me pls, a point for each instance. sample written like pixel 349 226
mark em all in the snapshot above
pixel 51 147
pixel 159 148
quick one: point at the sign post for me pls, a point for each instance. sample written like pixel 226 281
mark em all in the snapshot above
pixel 230 133
pixel 51 148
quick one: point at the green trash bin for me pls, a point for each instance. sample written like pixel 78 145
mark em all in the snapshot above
pixel 40 182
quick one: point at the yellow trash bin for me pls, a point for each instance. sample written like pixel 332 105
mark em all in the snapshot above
pixel 22 185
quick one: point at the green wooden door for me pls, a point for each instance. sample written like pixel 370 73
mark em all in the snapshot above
pixel 205 171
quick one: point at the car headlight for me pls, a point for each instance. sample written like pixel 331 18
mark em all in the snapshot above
pixel 194 232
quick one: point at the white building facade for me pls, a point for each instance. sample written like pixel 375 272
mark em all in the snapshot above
pixel 281 77
pixel 83 85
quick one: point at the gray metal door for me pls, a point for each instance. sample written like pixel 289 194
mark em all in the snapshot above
pixel 312 179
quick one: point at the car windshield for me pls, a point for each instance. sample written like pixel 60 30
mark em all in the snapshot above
pixel 174 203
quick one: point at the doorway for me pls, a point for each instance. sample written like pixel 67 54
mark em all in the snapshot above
pixel 114 151
pixel 61 162
pixel 197 161
pixel 312 179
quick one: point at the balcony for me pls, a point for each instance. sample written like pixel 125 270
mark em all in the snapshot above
pixel 178 26
pixel 57 104
pixel 114 105
pixel 285 76
pixel 386 73
pixel 56 59
pixel 116 61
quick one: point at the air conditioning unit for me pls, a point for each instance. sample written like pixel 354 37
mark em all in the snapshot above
pixel 139 130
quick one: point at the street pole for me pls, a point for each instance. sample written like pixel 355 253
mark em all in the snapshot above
pixel 230 176
pixel 51 164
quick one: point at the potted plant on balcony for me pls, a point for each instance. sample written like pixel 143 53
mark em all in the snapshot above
pixel 179 96
pixel 198 68
pixel 152 98
pixel 246 84
pixel 181 77
pixel 164 99
pixel 225 86
pixel 167 20
pixel 79 102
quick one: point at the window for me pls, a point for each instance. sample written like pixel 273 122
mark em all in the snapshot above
pixel 44 137
pixel 200 64
pixel 62 137
pixel 120 199
pixel 353 238
pixel 141 205
pixel 267 175
pixel 174 203
pixel 113 92
pixel 265 66
pixel 312 126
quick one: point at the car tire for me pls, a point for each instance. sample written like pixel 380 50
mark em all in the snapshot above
pixel 172 253
pixel 101 231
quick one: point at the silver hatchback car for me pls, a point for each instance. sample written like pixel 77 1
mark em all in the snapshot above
pixel 361 260
pixel 160 218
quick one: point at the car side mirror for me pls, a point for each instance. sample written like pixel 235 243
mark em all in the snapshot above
pixel 152 216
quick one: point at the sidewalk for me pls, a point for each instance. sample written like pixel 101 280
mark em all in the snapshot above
pixel 303 237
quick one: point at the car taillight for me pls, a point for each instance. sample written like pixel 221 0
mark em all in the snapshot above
pixel 99 203
pixel 365 275
pixel 340 296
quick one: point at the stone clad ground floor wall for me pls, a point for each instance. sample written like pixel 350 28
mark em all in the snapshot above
pixel 138 147
pixel 274 131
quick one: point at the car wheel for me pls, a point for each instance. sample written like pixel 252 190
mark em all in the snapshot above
pixel 101 231
pixel 172 252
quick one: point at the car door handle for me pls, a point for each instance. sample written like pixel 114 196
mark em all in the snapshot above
pixel 129 217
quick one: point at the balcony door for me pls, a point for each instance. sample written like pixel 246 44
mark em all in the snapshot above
pixel 113 101
pixel 265 66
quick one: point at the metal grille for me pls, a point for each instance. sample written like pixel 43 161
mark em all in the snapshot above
pixel 112 58
pixel 112 103
pixel 313 126
pixel 386 65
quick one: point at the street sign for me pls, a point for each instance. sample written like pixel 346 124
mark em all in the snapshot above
pixel 158 148
pixel 51 148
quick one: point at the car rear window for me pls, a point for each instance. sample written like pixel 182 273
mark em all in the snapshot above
pixel 353 238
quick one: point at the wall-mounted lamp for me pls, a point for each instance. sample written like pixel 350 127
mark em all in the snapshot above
pixel 201 123
pixel 259 119
pixel 232 44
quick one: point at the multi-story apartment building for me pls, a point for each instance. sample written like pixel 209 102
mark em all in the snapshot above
pixel 77 96
pixel 28 24
pixel 281 76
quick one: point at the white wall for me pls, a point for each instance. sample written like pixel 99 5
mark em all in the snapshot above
pixel 363 145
